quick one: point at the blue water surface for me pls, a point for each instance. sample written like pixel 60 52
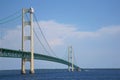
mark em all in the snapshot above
pixel 62 74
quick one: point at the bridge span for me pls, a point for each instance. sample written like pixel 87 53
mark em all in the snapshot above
pixel 22 54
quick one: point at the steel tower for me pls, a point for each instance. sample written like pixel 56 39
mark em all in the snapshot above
pixel 29 37
pixel 70 58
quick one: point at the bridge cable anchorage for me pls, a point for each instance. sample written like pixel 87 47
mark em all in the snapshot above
pixel 44 36
pixel 39 38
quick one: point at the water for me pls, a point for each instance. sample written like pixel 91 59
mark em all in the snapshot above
pixel 62 74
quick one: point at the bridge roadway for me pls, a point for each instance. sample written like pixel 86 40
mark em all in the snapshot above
pixel 20 54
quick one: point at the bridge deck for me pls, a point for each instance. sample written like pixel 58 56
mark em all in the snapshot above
pixel 20 54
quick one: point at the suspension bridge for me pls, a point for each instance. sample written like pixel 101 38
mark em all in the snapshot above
pixel 30 56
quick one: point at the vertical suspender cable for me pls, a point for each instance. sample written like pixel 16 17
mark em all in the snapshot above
pixel 44 36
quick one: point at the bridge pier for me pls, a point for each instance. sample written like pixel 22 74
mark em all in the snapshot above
pixel 32 67
pixel 23 67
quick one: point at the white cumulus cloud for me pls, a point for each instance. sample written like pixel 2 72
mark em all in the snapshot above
pixel 57 33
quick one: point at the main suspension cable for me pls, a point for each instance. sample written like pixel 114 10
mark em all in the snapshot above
pixel 10 16
pixel 44 36
pixel 40 41
pixel 10 20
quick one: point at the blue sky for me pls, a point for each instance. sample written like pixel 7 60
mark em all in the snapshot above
pixel 92 27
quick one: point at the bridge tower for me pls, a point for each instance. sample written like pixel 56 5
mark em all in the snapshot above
pixel 70 58
pixel 29 37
